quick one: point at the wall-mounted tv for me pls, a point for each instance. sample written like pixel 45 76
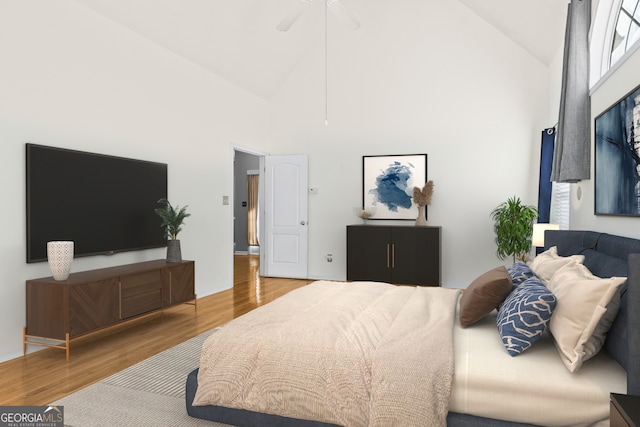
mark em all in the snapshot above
pixel 104 204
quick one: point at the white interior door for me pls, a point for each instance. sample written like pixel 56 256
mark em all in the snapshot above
pixel 284 216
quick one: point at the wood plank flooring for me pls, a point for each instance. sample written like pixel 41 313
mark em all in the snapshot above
pixel 44 376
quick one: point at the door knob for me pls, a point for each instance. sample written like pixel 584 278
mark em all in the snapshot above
pixel 303 223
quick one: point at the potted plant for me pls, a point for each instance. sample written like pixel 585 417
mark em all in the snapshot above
pixel 172 220
pixel 513 225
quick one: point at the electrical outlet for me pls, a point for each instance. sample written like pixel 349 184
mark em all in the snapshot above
pixel 329 258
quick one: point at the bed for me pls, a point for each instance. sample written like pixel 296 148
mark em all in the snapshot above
pixel 481 385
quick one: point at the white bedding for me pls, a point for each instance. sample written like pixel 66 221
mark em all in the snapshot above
pixel 534 387
pixel 355 354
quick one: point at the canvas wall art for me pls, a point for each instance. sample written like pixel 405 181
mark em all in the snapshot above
pixel 388 183
pixel 617 157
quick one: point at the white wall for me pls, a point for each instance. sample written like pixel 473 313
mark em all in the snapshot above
pixel 71 78
pixel 618 84
pixel 430 77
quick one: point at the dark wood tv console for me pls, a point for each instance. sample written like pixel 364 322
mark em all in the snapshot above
pixel 59 311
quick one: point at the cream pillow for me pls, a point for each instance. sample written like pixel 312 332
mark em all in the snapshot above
pixel 582 300
pixel 548 262
pixel 596 342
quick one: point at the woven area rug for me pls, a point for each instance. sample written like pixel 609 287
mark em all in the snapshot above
pixel 149 393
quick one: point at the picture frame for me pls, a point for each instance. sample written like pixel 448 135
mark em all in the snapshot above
pixel 617 157
pixel 387 184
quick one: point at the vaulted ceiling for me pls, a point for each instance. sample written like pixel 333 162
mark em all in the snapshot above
pixel 238 40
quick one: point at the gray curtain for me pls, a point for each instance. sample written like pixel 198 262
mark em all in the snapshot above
pixel 572 153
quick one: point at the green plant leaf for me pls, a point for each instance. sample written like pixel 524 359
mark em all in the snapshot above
pixel 172 218
pixel 513 227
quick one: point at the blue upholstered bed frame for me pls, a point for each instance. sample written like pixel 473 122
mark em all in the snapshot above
pixel 606 255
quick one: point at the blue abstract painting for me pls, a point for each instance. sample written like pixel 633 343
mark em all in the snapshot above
pixel 388 183
pixel 617 158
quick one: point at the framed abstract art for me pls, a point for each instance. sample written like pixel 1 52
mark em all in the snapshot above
pixel 388 181
pixel 617 158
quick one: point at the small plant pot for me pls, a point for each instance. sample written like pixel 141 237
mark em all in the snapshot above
pixel 173 251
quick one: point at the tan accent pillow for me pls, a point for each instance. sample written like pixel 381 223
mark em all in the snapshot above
pixel 548 262
pixel 582 300
pixel 484 295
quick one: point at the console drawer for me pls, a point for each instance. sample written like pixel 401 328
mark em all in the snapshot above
pixel 140 293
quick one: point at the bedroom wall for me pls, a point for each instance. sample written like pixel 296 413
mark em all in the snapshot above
pixel 618 84
pixel 74 79
pixel 431 77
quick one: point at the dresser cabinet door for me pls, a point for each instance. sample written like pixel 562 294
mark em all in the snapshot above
pixel 416 256
pixel 178 283
pixel 369 253
pixel 47 308
pixel 93 306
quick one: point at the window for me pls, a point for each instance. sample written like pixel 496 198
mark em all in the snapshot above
pixel 561 205
pixel 627 29
pixel 615 31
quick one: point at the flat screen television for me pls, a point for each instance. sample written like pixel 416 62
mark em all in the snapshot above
pixel 104 204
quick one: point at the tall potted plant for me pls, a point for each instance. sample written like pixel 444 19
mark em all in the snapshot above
pixel 172 220
pixel 513 225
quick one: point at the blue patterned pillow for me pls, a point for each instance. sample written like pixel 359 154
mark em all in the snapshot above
pixel 520 272
pixel 524 315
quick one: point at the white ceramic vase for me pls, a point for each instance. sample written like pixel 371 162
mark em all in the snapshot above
pixel 60 257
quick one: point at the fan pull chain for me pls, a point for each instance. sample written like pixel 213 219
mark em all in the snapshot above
pixel 326 65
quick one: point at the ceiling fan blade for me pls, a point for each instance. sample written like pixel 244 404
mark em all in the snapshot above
pixel 341 11
pixel 293 15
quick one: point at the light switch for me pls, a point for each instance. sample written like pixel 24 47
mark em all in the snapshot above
pixel 225 200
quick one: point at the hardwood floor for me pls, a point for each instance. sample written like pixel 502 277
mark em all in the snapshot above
pixel 44 376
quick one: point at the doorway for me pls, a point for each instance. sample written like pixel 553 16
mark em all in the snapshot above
pixel 245 199
pixel 281 218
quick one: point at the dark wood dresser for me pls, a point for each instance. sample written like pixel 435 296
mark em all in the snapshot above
pixel 407 255
pixel 59 311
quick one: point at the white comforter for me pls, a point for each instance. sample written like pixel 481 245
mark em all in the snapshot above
pixel 353 354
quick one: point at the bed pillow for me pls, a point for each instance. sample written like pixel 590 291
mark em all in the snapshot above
pixel 582 303
pixel 519 272
pixel 548 262
pixel 524 315
pixel 597 340
pixel 484 295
